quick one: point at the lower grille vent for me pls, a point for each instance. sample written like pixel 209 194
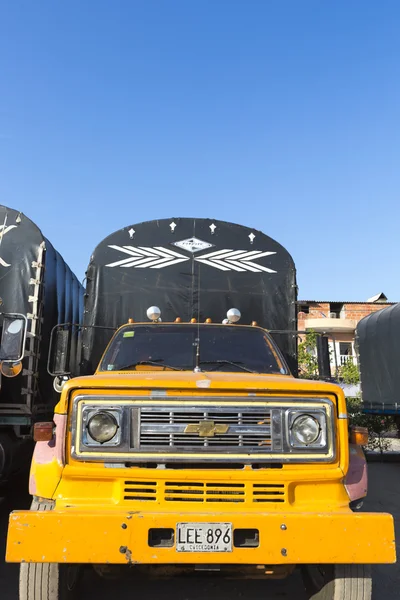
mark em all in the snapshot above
pixel 140 490
pixel 264 492
pixel 204 492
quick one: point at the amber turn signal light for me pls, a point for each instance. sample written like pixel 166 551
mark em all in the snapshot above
pixel 43 432
pixel 359 435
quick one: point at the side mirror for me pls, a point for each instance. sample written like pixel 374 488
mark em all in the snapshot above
pixel 10 369
pixel 12 344
pixel 59 351
pixel 323 357
pixel 59 383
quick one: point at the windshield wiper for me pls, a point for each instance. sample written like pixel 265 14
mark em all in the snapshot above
pixel 227 362
pixel 158 362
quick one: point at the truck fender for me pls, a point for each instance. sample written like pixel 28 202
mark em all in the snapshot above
pixel 356 480
pixel 48 461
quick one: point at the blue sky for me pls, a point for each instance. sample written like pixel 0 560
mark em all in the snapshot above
pixel 281 115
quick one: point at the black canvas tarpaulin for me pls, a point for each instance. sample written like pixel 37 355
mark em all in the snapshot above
pixel 378 343
pixel 34 281
pixel 190 268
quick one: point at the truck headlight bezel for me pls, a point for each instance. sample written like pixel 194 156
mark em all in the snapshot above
pixel 319 416
pixel 134 415
pixel 89 413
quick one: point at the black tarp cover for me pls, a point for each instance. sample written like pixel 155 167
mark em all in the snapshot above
pixel 188 267
pixel 60 295
pixel 378 342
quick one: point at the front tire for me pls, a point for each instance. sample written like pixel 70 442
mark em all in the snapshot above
pixel 48 581
pixel 338 582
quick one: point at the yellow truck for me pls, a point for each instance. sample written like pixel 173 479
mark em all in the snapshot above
pixel 192 445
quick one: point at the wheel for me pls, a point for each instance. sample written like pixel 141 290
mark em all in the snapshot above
pixel 48 581
pixel 338 582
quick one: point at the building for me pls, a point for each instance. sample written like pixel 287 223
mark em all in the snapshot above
pixel 339 321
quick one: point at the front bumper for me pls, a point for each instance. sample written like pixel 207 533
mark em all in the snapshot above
pixel 122 537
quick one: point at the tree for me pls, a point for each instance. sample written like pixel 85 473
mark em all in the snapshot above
pixel 307 359
pixel 349 373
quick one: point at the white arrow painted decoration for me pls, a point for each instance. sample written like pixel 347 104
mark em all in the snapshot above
pixel 236 260
pixel 3 231
pixel 142 257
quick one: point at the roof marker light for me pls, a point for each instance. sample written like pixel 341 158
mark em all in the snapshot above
pixel 208 320
pixel 193 320
pixel 178 320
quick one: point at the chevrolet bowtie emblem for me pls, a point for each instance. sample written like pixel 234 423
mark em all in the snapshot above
pixel 207 428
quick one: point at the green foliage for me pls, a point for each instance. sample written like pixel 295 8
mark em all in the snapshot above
pixel 378 425
pixel 307 359
pixel 349 373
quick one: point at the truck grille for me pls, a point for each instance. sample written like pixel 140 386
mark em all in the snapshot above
pixel 240 430
pixel 204 492
pixel 171 430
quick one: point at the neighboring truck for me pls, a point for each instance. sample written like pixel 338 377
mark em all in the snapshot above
pixel 37 291
pixel 378 344
pixel 192 446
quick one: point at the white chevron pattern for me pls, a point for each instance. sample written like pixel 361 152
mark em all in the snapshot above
pixel 159 257
pixel 143 258
pixel 3 231
pixel 236 260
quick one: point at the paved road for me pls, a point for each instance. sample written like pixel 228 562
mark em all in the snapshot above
pixel 384 496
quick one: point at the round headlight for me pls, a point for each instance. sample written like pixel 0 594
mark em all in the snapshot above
pixel 102 427
pixel 305 429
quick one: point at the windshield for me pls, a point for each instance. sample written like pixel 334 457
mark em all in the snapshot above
pixel 222 348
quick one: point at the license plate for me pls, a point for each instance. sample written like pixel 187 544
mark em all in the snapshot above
pixel 204 537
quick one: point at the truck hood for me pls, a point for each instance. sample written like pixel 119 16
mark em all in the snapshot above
pixel 198 383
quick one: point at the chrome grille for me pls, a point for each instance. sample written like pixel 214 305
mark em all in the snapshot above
pixel 239 417
pixel 247 429
pixel 169 430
